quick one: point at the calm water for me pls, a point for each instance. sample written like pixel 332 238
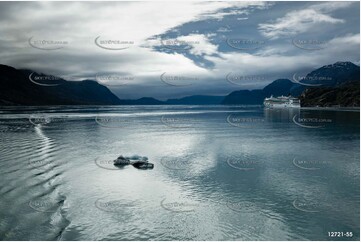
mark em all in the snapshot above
pixel 221 173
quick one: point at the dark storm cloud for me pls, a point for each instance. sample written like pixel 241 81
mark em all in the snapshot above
pixel 204 26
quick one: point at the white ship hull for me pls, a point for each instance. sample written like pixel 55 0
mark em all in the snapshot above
pixel 281 105
pixel 282 102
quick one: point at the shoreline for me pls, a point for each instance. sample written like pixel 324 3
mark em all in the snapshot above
pixel 349 109
pixel 352 109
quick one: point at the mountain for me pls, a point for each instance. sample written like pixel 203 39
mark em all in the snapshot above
pixel 190 100
pixel 344 95
pixel 330 76
pixel 340 85
pixel 143 101
pixel 341 89
pixel 196 100
pixel 277 88
pixel 19 88
pixel 245 97
pixel 335 84
pixel 335 74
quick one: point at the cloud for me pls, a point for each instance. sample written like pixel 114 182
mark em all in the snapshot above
pixel 300 21
pixel 209 58
pixel 237 8
pixel 331 6
pixel 81 22
pixel 224 29
pixel 203 46
pixel 266 66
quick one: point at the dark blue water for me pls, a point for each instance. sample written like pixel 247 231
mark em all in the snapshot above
pixel 221 173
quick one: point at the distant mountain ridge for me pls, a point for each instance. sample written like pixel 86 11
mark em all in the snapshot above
pixel 189 100
pixel 329 77
pixel 335 84
pixel 143 101
pixel 18 89
pixel 196 100
pixel 277 88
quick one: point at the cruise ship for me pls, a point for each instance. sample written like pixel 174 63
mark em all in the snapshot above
pixel 282 102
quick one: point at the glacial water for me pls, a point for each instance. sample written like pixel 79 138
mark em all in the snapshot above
pixel 220 173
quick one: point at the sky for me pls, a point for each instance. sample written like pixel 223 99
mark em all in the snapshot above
pixel 176 49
